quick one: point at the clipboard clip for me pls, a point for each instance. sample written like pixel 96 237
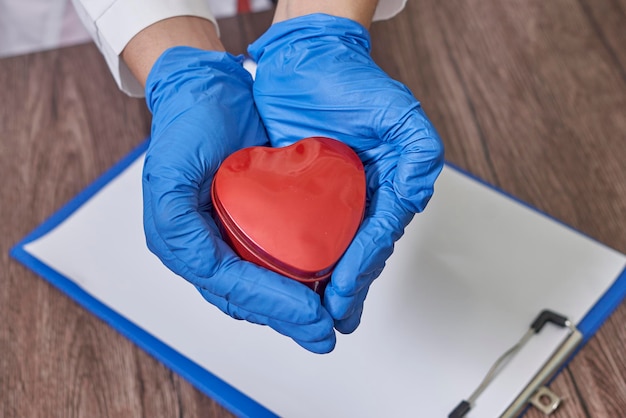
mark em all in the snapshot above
pixel 535 393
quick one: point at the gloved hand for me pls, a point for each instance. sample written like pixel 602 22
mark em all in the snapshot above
pixel 315 77
pixel 203 111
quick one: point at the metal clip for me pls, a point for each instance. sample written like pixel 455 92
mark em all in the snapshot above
pixel 545 400
pixel 535 392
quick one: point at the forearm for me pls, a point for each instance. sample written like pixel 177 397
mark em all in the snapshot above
pixel 361 11
pixel 146 47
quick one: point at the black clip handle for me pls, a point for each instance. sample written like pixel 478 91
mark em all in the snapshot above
pixel 461 410
pixel 548 316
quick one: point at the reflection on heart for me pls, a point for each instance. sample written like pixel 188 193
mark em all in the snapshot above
pixel 294 209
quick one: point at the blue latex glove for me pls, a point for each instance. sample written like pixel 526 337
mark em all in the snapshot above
pixel 315 77
pixel 203 111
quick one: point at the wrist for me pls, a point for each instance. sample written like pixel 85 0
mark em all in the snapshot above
pixel 284 38
pixel 361 11
pixel 143 50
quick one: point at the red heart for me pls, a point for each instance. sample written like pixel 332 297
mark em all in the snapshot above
pixel 294 209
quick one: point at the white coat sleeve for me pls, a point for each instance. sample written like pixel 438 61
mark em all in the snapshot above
pixel 388 8
pixel 113 23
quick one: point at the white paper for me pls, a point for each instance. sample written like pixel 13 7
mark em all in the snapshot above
pixel 464 284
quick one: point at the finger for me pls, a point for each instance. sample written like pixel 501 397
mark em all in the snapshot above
pixel 258 295
pixel 350 322
pixel 204 250
pixel 344 306
pixel 420 158
pixel 319 347
pixel 248 292
pixel 177 231
pixel 365 257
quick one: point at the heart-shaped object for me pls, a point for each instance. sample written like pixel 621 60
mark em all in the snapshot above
pixel 293 210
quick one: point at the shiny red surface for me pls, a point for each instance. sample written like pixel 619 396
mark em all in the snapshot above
pixel 293 210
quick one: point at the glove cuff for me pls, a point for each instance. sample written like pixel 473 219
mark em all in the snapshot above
pixel 310 27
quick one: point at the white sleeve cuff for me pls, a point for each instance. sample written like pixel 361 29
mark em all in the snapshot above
pixel 113 23
pixel 388 8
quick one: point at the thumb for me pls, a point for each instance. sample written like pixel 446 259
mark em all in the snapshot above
pixel 365 258
pixel 420 158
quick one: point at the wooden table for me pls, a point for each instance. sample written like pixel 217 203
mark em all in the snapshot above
pixel 528 95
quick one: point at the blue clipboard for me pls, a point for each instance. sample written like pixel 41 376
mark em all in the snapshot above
pixel 230 396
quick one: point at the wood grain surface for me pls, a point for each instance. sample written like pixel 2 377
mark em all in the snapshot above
pixel 527 95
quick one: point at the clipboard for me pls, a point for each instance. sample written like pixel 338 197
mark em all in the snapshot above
pixel 471 275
